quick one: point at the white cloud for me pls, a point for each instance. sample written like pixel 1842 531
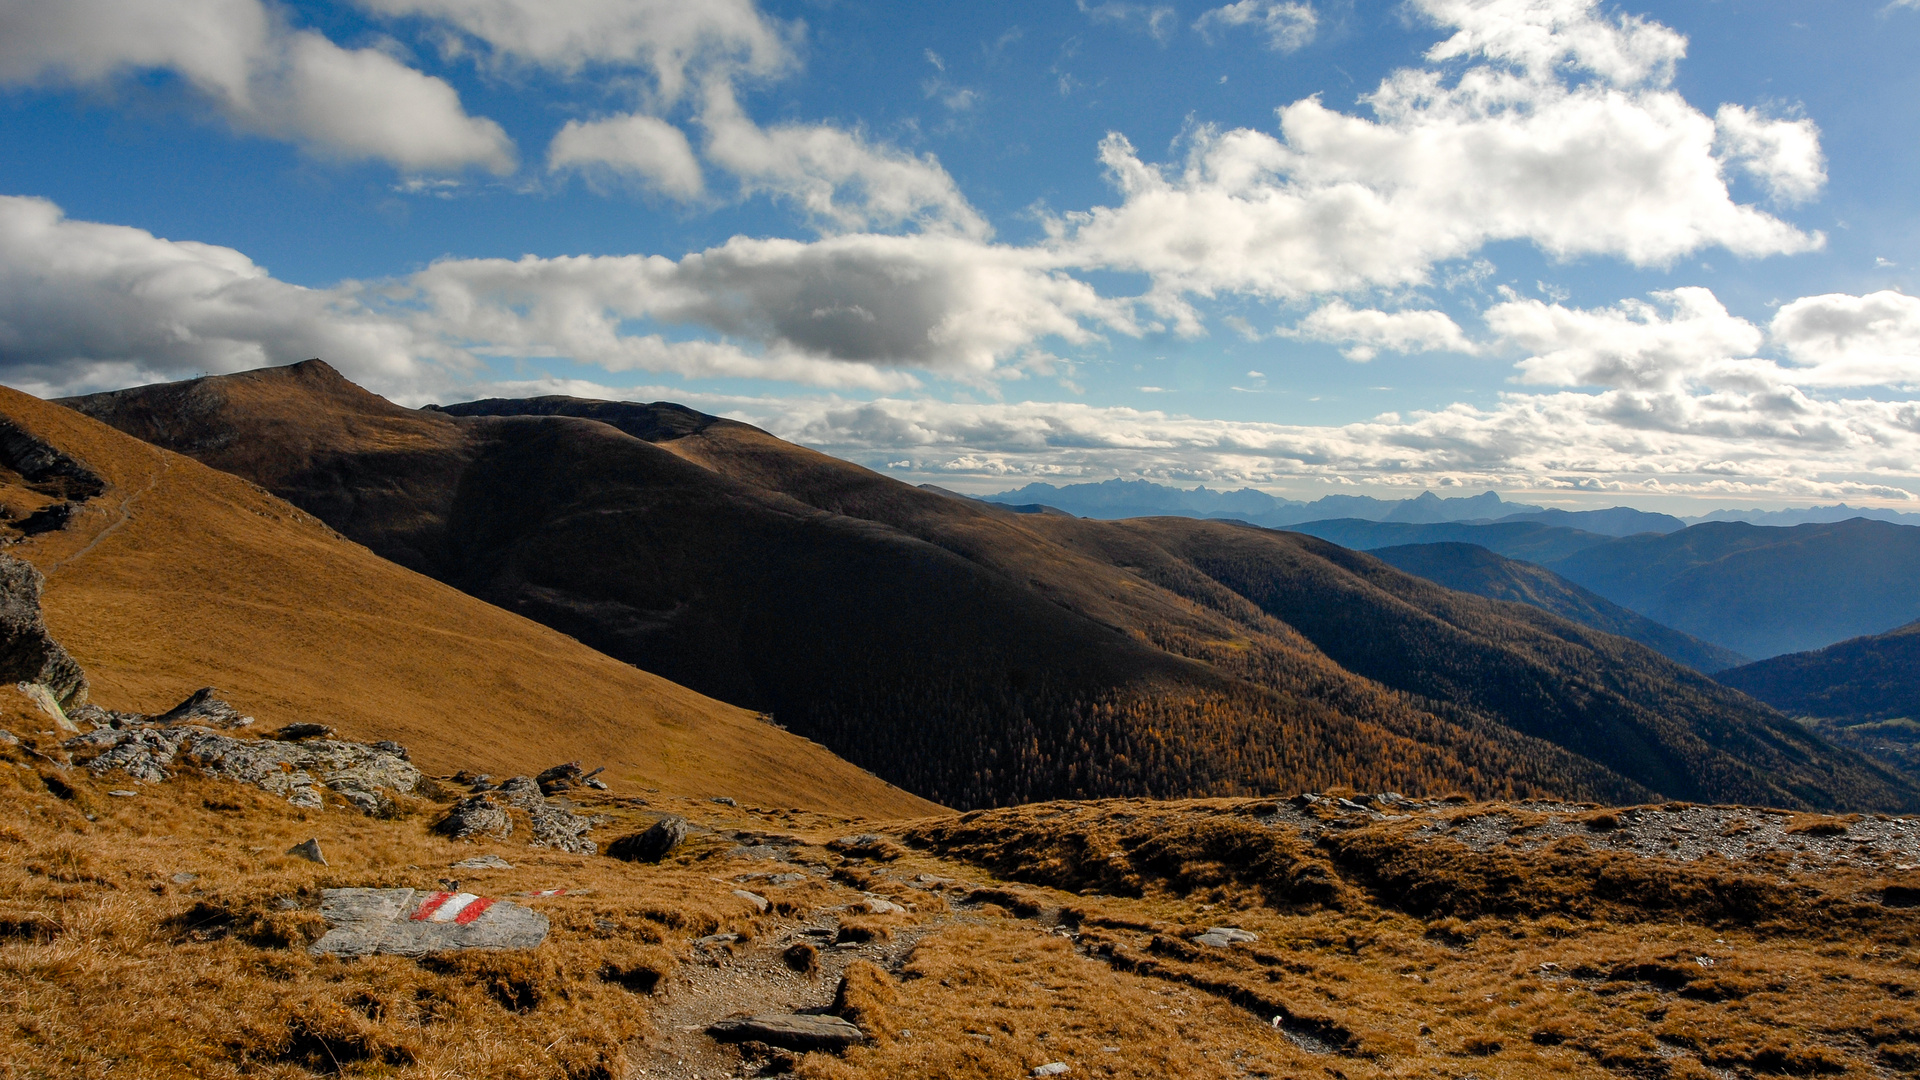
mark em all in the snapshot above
pixel 1541 36
pixel 1289 24
pixel 1634 345
pixel 1157 20
pixel 671 38
pixel 1366 332
pixel 263 76
pixel 645 147
pixel 1782 155
pixel 1871 340
pixel 854 310
pixel 1614 165
pixel 89 307
pixel 837 177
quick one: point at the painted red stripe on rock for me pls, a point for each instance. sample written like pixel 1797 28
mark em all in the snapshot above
pixel 472 911
pixel 432 905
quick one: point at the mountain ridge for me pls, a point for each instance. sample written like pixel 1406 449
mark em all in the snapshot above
pixel 1037 655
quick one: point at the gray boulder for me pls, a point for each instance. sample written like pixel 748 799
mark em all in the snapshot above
pixel 475 816
pixel 28 653
pixel 414 922
pixel 653 844
pixel 204 708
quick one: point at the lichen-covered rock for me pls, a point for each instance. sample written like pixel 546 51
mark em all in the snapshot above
pixel 28 653
pixel 362 775
pixel 554 824
pixel 475 816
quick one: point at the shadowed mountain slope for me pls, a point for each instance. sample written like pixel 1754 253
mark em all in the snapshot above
pixel 1863 693
pixel 979 656
pixel 173 575
pixel 1472 568
pixel 1867 678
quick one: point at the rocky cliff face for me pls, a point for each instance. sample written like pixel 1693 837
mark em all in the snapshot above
pixel 28 654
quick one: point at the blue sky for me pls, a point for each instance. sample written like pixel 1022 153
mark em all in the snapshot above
pixel 1654 254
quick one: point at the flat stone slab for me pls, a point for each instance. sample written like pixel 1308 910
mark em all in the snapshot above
pixel 1224 937
pixel 414 922
pixel 793 1031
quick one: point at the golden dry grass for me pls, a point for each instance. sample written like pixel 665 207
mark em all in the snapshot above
pixel 109 966
pixel 181 576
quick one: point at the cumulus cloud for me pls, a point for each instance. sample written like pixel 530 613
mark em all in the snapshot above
pixel 671 38
pixel 643 147
pixel 1783 156
pixel 1289 24
pixel 856 310
pixel 1871 340
pixel 1541 36
pixel 839 178
pixel 1635 345
pixel 88 307
pixel 263 76
pixel 1365 332
pixel 1507 148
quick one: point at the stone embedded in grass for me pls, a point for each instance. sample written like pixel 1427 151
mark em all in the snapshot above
pixel 1225 937
pixel 309 850
pixel 652 845
pixel 759 902
pixel 1051 1068
pixel 483 862
pixel 414 922
pixel 791 1031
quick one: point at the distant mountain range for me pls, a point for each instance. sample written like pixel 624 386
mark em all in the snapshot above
pixel 975 655
pixel 1113 499
pixel 1753 589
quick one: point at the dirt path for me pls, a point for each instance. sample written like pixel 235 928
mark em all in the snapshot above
pixel 125 515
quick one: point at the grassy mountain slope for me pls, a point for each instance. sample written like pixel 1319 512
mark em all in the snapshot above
pixel 978 655
pixel 1760 590
pixel 179 575
pixel 1472 568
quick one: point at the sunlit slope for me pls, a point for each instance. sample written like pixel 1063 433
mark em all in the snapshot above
pixel 180 576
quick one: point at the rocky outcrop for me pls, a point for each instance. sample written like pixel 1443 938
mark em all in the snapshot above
pixel 205 708
pixel 28 653
pixel 298 772
pixel 554 824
